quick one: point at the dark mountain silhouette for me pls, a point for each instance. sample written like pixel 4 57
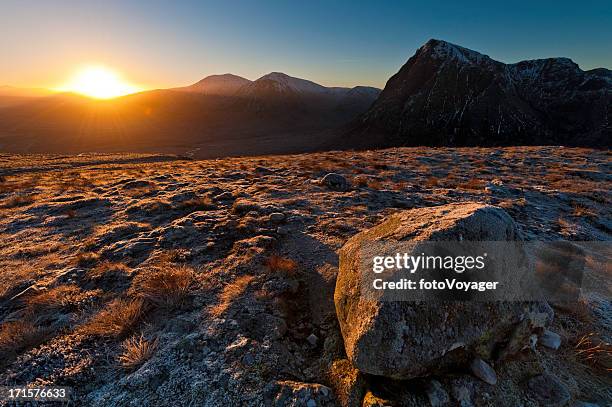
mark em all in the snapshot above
pixel 10 95
pixel 449 95
pixel 216 116
pixel 220 85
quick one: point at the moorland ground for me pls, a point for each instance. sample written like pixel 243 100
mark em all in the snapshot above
pixel 162 279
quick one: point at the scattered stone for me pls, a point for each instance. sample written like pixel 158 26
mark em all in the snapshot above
pixel 462 392
pixel 297 394
pixel 483 371
pixel 436 394
pixel 548 390
pixel 276 217
pixel 283 230
pixel 312 339
pixel 550 339
pixel 335 182
pixel 224 196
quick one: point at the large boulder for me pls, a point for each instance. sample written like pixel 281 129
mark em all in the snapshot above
pixel 406 339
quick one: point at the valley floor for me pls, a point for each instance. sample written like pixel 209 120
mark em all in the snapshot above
pixel 247 251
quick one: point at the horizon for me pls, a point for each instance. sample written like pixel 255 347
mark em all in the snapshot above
pixel 58 90
pixel 161 46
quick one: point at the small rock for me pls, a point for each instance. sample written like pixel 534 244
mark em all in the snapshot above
pixel 436 394
pixel 463 394
pixel 550 339
pixel 283 230
pixel 483 371
pixel 224 196
pixel 533 341
pixel 248 359
pixel 548 390
pixel 335 181
pixel 290 393
pixel 276 217
pixel 312 339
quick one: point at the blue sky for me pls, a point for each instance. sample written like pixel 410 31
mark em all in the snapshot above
pixel 165 43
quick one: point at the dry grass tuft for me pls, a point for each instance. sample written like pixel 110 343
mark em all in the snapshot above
pixel 17 200
pixel 118 319
pixel 197 203
pixel 87 259
pixel 107 268
pixel 360 181
pixel 173 256
pixel 168 287
pixel 281 264
pixel 374 184
pixel 136 351
pixel 473 184
pixel 591 350
pixel 17 337
pixel 48 303
pixel 431 182
pixel 581 211
pixel 230 293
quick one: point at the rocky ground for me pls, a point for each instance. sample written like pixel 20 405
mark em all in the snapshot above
pixel 160 280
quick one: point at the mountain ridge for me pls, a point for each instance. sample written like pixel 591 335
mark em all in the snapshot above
pixel 446 94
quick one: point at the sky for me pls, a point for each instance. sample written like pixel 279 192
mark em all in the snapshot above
pixel 158 44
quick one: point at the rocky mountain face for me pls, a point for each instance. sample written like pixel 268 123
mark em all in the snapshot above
pixel 449 95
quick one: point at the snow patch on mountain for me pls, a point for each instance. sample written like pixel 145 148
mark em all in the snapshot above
pixel 445 50
pixel 286 82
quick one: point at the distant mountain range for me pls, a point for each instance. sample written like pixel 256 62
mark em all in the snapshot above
pixel 445 95
pixel 448 95
pixel 219 115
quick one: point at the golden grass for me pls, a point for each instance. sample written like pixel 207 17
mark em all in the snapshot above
pixel 17 200
pixel 431 182
pixel 106 267
pixel 360 181
pixel 197 203
pixel 48 302
pixel 17 337
pixel 591 350
pixel 168 287
pixel 281 264
pixel 230 293
pixel 87 259
pixel 581 211
pixel 173 256
pixel 136 351
pixel 472 184
pixel 118 319
pixel 15 184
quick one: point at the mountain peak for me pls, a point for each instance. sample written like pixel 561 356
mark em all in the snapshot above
pixel 432 100
pixel 224 85
pixel 440 49
pixel 285 82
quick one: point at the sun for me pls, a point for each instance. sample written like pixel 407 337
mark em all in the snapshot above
pixel 100 83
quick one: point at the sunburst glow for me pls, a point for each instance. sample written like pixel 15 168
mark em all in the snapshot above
pixel 100 83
